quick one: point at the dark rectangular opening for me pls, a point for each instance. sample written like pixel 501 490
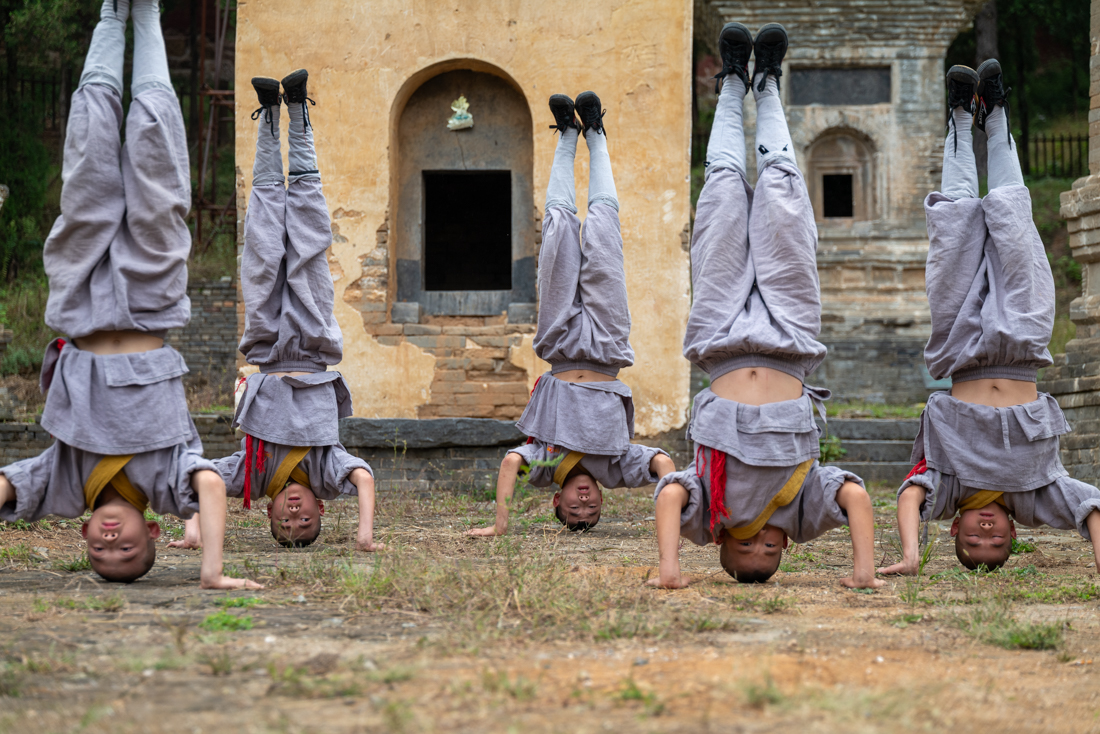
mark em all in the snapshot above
pixel 467 230
pixel 836 199
pixel 841 86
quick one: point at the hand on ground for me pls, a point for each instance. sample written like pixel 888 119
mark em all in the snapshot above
pixel 193 542
pixel 485 532
pixel 899 569
pixel 871 583
pixel 679 581
pixel 368 545
pixel 228 582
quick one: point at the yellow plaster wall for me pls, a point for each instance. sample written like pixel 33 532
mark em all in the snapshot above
pixel 635 54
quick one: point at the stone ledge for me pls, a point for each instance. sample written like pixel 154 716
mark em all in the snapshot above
pixel 428 432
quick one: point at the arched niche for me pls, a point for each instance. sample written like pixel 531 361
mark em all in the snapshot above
pixel 463 199
pixel 840 167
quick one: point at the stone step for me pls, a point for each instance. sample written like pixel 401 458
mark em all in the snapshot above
pixel 889 472
pixel 876 451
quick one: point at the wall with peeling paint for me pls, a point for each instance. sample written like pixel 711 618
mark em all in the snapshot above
pixel 366 59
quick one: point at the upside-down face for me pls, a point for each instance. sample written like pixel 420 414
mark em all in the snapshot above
pixel 295 514
pixel 120 541
pixel 983 536
pixel 754 559
pixel 580 501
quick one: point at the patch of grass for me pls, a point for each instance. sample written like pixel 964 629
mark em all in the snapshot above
pixel 109 603
pixel 993 623
pixel 239 602
pixel 19 554
pixel 217 659
pixel 779 604
pixel 521 689
pixel 1020 546
pixel 831 450
pixel 73 565
pixel 759 696
pixel 225 622
pixel 631 693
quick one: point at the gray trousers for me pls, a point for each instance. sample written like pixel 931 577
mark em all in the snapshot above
pixel 286 281
pixel 584 320
pixel 116 258
pixel 989 286
pixel 756 296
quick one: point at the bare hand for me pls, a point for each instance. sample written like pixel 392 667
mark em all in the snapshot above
pixel 485 532
pixel 679 581
pixel 192 541
pixel 228 582
pixel 904 568
pixel 367 545
pixel 871 583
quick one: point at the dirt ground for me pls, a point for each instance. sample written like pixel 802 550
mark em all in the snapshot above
pixel 540 631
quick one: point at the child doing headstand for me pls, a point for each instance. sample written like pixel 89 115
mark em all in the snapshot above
pixel 117 266
pixel 988 448
pixel 290 410
pixel 753 328
pixel 580 418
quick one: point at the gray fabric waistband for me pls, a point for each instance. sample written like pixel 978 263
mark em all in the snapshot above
pixel 1006 372
pixel 291 366
pixel 792 368
pixel 603 369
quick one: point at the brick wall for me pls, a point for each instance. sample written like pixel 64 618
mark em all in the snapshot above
pixel 209 343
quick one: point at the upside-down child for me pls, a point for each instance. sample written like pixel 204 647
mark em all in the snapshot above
pixel 988 448
pixel 117 266
pixel 290 409
pixel 580 418
pixel 756 482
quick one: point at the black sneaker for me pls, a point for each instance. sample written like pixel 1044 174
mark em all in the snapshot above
pixel 267 91
pixel 564 115
pixel 991 91
pixel 962 85
pixel 591 112
pixel 735 47
pixel 769 47
pixel 294 91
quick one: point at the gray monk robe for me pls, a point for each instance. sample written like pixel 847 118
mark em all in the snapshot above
pixel 756 303
pixel 991 294
pixel 584 323
pixel 1064 503
pixel 289 327
pixel 116 260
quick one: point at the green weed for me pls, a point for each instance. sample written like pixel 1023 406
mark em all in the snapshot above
pixel 760 696
pixel 994 624
pixel 239 602
pixel 520 689
pixel 1020 546
pixel 225 622
pixel 630 692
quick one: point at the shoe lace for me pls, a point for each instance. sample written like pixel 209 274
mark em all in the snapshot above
pixel 957 96
pixel 593 120
pixel 261 110
pixel 729 67
pixel 771 63
pixel 305 109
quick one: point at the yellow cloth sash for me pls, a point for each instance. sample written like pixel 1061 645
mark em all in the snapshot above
pixel 288 469
pixel 109 472
pixel 982 498
pixel 565 466
pixel 781 499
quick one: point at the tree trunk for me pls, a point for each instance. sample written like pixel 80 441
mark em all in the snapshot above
pixel 985 31
pixel 64 98
pixel 193 113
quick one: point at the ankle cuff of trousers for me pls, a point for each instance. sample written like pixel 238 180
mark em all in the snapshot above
pixel 1004 372
pixel 603 369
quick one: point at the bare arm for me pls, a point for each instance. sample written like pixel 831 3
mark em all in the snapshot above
pixel 661 465
pixel 506 486
pixel 861 522
pixel 211 491
pixel 908 528
pixel 7 491
pixel 670 503
pixel 1092 522
pixel 364 482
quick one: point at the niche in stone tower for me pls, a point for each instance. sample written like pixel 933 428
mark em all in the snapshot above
pixel 465 236
pixel 841 177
